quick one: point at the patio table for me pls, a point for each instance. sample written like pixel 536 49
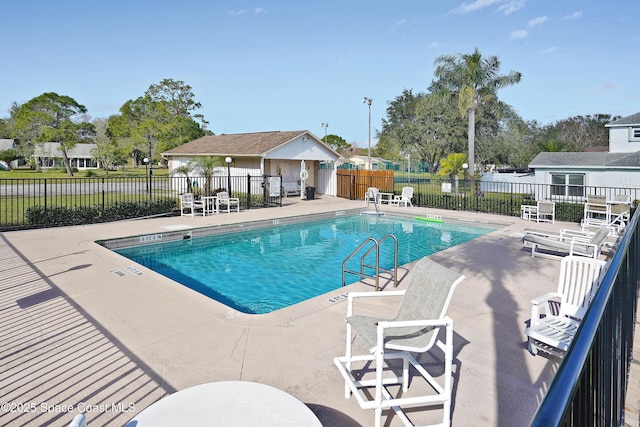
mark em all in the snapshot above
pixel 210 205
pixel 227 403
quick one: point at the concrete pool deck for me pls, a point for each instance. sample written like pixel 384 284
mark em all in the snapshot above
pixel 84 329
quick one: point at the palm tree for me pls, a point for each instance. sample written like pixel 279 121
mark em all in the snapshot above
pixel 205 166
pixel 475 81
pixel 185 169
pixel 453 166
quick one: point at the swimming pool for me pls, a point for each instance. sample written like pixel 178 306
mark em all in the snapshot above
pixel 261 270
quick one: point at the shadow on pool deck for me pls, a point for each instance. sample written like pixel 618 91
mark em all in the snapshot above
pixel 80 329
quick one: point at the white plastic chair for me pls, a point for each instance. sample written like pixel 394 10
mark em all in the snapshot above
pixel 190 204
pixel 372 195
pixel 546 211
pixel 415 328
pixel 556 316
pixel 224 200
pixel 404 198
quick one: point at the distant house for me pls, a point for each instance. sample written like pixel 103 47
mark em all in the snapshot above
pixel 265 153
pixel 48 155
pixel 624 134
pixel 571 174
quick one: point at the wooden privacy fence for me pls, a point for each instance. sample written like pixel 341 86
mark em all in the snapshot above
pixel 353 183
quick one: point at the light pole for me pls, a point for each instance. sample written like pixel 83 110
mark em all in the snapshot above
pixel 325 126
pixel 368 101
pixel 228 160
pixel 146 165
pixel 465 166
pixel 408 167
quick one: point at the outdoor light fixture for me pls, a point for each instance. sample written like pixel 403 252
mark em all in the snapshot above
pixel 325 126
pixel 228 161
pixel 465 166
pixel 148 174
pixel 368 101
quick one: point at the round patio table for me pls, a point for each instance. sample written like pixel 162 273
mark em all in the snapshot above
pixel 227 403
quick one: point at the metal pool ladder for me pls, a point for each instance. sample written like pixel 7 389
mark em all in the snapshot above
pixel 376 267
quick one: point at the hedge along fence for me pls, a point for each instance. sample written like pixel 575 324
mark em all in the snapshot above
pixel 494 203
pixel 42 216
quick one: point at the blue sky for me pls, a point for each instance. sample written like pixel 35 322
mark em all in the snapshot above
pixel 292 65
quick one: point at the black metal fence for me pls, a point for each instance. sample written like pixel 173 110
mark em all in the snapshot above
pixel 48 202
pixel 506 198
pixel 51 202
pixel 589 388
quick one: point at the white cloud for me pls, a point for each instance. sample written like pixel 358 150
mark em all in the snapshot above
pixel 574 15
pixel 260 11
pixel 520 34
pixel 434 45
pixel 550 49
pixel 537 21
pixel 237 12
pixel 511 6
pixel 478 4
pixel 506 7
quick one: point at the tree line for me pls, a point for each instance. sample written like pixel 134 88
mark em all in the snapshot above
pixel 459 111
pixel 161 119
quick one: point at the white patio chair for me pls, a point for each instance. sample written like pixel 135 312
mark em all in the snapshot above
pixel 223 199
pixel 372 195
pixel 416 327
pixel 546 211
pixel 404 198
pixel 556 316
pixel 189 205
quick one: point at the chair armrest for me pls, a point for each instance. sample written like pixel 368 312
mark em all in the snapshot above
pixel 389 324
pixel 545 298
pixel 351 296
pixel 540 306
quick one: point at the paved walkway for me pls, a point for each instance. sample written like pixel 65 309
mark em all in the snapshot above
pixel 79 335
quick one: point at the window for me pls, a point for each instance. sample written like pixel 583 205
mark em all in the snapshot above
pixel 634 134
pixel 567 185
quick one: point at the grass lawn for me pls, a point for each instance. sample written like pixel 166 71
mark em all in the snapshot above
pixel 25 173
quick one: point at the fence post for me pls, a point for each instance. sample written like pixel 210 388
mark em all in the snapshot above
pixel 249 191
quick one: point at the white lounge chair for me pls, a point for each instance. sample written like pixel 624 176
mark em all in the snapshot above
pixel 223 199
pixel 563 245
pixel 372 195
pixel 404 198
pixel 189 205
pixel 556 316
pixel 415 328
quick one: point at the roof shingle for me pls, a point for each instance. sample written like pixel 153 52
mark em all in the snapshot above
pixel 235 145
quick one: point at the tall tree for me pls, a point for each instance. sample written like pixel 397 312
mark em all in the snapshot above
pixel 473 81
pixel 579 133
pixel 336 142
pixel 179 100
pixel 54 118
pixel 107 152
pixel 158 121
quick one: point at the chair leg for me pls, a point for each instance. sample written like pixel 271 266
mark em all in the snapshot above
pixel 347 390
pixel 378 396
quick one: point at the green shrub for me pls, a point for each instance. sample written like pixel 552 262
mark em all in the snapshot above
pixel 76 215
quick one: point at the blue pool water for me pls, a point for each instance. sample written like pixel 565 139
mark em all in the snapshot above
pixel 262 270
